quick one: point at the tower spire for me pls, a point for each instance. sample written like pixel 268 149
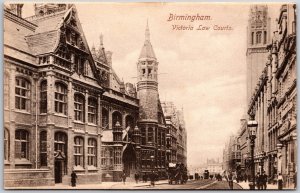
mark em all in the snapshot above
pixel 147 33
pixel 101 40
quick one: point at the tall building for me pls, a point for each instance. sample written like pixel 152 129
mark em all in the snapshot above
pixel 176 135
pixel 258 38
pixel 65 108
pixel 273 103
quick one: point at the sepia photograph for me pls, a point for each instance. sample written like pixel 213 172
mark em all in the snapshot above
pixel 149 96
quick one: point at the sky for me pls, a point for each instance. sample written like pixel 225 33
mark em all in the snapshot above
pixel 202 72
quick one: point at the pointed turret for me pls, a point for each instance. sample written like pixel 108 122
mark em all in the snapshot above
pixel 147 50
pixel 147 85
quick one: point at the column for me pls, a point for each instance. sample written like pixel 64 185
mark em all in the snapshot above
pixel 70 104
pixel 99 145
pixel 279 158
pixel 110 118
pixel 12 126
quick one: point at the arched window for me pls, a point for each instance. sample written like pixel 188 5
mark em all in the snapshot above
pixel 78 151
pixel 258 37
pixel 92 110
pixel 79 107
pixel 6 144
pixel 22 91
pixel 92 152
pixel 60 98
pixel 43 97
pixel 150 134
pixel 60 142
pixel 104 118
pixel 21 144
pixel 43 148
pixel 116 117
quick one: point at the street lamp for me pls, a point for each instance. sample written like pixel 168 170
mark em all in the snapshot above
pixel 152 162
pixel 252 127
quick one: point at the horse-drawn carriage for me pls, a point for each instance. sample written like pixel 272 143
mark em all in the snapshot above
pixel 177 173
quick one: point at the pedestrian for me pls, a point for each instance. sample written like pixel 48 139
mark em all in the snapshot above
pixel 280 181
pixel 152 179
pixel 73 178
pixel 295 180
pixel 136 177
pixel 124 177
pixel 230 181
pixel 264 180
pixel 245 177
pixel 258 181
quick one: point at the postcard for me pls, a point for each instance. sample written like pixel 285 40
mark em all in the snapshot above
pixel 149 95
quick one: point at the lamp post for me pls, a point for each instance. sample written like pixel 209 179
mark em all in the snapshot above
pixel 152 162
pixel 252 126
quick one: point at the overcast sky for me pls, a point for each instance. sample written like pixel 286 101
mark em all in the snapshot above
pixel 205 70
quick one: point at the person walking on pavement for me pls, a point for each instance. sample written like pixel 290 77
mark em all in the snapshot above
pixel 73 178
pixel 152 179
pixel 136 176
pixel 264 180
pixel 230 181
pixel 258 181
pixel 280 181
pixel 124 177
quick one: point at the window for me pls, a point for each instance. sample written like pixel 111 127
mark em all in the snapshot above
pixel 22 94
pixel 92 152
pixel 79 107
pixel 43 97
pixel 107 158
pixel 60 142
pixel 104 118
pixel 258 37
pixel 117 156
pixel 163 141
pixel 143 135
pixel 60 98
pixel 6 145
pixel 252 38
pixel 78 151
pixel 265 37
pixel 22 144
pixel 92 110
pixel 150 134
pixel 43 148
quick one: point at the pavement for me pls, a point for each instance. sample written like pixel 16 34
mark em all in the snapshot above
pixel 245 185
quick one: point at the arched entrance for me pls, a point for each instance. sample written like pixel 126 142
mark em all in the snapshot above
pixel 129 160
pixel 60 152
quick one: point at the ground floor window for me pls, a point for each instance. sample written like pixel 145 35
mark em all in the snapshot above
pixel 78 151
pixel 22 144
pixel 43 148
pixel 92 152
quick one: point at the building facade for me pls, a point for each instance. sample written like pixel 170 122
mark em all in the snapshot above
pixel 176 135
pixel 273 101
pixel 65 108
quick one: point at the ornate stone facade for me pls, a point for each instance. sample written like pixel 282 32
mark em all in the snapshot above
pixel 66 109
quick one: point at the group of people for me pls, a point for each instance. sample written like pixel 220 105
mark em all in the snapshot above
pixel 152 176
pixel 261 180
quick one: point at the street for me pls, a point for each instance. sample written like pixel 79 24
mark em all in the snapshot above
pixel 199 184
pixel 163 184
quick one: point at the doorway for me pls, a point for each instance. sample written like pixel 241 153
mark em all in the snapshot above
pixel 58 172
